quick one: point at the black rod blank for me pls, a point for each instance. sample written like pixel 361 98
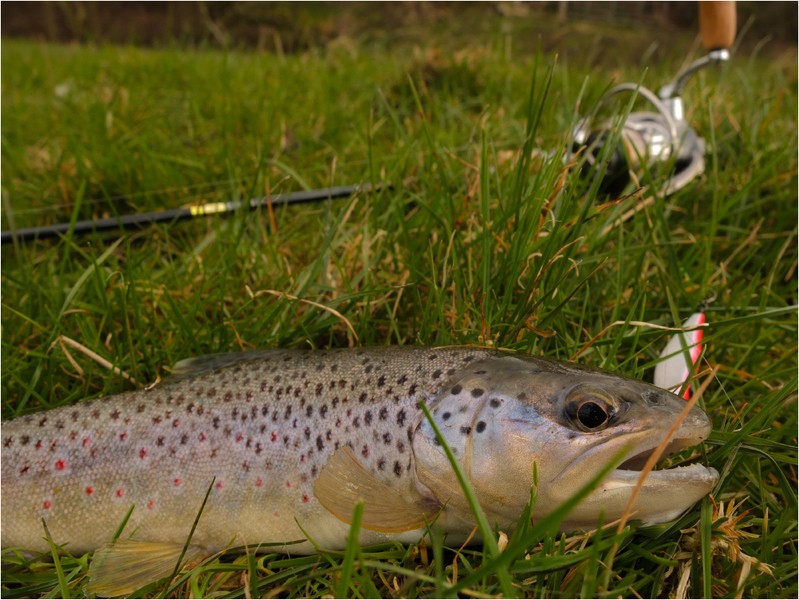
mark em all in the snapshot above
pixel 139 220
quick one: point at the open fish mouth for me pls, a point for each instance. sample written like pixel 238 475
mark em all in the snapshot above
pixel 632 468
pixel 663 495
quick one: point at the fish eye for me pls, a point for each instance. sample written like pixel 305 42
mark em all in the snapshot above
pixel 590 414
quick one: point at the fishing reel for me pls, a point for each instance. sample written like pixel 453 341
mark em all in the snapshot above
pixel 659 142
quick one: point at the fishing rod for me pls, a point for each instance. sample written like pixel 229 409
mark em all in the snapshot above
pixel 140 220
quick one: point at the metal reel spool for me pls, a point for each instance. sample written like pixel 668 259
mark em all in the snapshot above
pixel 647 141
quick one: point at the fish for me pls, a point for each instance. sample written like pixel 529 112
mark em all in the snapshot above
pixel 273 449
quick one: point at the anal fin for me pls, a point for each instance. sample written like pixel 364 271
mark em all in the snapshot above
pixel 344 481
pixel 122 567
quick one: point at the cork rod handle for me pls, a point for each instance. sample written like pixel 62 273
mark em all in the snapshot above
pixel 717 24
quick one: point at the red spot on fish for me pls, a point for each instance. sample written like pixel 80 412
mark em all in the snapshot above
pixel 60 464
pixel 302 459
pixel 142 453
pixel 239 436
pixel 123 436
pixel 120 492
pixel 288 484
pixel 89 490
pixel 202 437
pixel 219 485
pixel 38 444
pixel 151 504
pixel 46 505
pixel 305 498
pixel 176 482
pixel 274 436
pixel 259 482
pixel 86 442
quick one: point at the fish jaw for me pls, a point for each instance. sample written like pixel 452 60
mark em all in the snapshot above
pixel 663 495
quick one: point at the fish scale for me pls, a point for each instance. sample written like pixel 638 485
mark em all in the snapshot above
pixel 283 445
pixel 261 430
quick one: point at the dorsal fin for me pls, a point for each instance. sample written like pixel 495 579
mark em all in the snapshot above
pixel 191 367
pixel 344 481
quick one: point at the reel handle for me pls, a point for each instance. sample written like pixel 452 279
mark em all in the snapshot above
pixel 717 21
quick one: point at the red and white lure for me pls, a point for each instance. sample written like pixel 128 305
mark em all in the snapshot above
pixel 673 370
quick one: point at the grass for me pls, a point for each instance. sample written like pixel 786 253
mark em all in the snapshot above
pixel 482 240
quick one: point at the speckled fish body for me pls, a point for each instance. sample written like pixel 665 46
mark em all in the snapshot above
pixel 289 441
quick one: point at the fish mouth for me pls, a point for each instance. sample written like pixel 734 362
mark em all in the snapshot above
pixel 663 495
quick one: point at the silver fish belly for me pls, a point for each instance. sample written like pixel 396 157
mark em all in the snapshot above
pixel 288 442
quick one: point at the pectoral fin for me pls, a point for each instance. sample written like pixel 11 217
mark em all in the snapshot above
pixel 344 481
pixel 122 567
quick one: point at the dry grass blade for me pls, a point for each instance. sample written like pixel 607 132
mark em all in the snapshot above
pixel 332 311
pixel 63 340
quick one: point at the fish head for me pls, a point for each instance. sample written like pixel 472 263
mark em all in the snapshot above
pixel 513 422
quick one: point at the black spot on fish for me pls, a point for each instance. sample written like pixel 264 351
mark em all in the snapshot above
pixel 402 379
pixel 139 409
pixel 465 430
pixel 159 441
pixel 307 433
pixel 481 372
pixel 477 392
pixel 401 418
pixel 369 368
pixel 356 422
pixel 212 393
pixel 309 410
pixel 25 439
pixel 43 421
pixel 314 471
pixel 436 373
pixel 365 451
pixel 319 389
pixel 381 464
pixel 412 389
pixel 333 368
pixel 463 409
pixel 456 389
pixel 522 396
pixel 8 442
pixel 400 446
pixel 495 402
pixel 481 426
pixel 323 410
pixel 320 445
pixel 397 468
pixel 183 439
pixel 383 414
pixel 258 447
pixel 446 415
pixel 215 421
pixel 386 438
pixel 287 414
pixel 328 435
pixel 367 418
pixel 381 381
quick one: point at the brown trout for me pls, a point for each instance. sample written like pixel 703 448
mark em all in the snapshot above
pixel 289 441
